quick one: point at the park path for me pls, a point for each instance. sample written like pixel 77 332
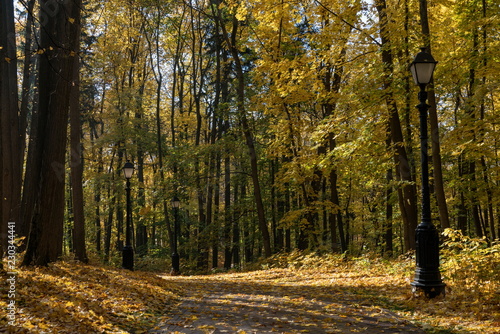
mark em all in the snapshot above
pixel 273 303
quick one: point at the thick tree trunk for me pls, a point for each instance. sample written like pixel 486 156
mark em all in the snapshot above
pixel 58 36
pixel 27 84
pixel 12 136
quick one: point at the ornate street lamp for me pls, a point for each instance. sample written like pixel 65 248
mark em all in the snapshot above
pixel 427 276
pixel 175 255
pixel 128 250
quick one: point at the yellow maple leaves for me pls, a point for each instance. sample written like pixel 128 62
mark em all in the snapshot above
pixel 74 298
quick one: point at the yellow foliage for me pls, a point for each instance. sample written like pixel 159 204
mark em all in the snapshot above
pixel 466 307
pixel 76 298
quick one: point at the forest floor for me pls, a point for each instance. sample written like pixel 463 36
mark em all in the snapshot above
pixel 276 301
pixel 296 294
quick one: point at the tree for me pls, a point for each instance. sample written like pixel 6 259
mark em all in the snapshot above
pixel 231 40
pixel 76 149
pixel 436 147
pixel 407 192
pixel 58 48
pixel 12 135
pixel 272 120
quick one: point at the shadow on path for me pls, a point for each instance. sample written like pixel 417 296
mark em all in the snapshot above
pixel 216 304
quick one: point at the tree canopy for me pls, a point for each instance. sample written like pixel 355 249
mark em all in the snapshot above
pixel 279 125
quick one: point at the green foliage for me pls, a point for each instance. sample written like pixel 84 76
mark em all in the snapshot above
pixel 304 260
pixel 153 263
pixel 161 78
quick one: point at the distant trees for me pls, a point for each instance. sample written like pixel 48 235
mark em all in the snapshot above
pixel 279 125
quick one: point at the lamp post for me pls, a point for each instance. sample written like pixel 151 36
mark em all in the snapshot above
pixel 128 250
pixel 427 276
pixel 175 255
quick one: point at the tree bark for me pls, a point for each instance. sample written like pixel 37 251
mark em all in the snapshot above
pixel 408 196
pixel 77 152
pixel 433 121
pixel 141 241
pixel 11 138
pixel 388 230
pixel 247 133
pixel 58 36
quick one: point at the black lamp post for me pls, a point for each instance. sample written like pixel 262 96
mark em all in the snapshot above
pixel 427 275
pixel 128 250
pixel 175 255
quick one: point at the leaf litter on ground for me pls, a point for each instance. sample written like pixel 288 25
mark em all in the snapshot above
pixel 69 297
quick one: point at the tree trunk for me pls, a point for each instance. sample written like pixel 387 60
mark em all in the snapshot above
pixel 12 136
pixel 408 197
pixel 108 225
pixel 236 230
pixel 119 196
pixel 216 220
pixel 336 217
pixel 227 213
pixel 332 83
pixel 433 121
pixel 159 134
pixel 247 133
pixel 77 154
pixel 388 237
pixel 471 114
pixel 26 90
pixel 95 133
pixel 58 36
pixel 141 241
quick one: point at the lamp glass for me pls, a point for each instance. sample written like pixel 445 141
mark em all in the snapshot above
pixel 422 68
pixel 176 203
pixel 128 170
pixel 422 72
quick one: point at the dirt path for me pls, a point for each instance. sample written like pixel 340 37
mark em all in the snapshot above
pixel 273 303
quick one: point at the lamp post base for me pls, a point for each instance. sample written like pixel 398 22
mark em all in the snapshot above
pixel 428 289
pixel 128 257
pixel 427 279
